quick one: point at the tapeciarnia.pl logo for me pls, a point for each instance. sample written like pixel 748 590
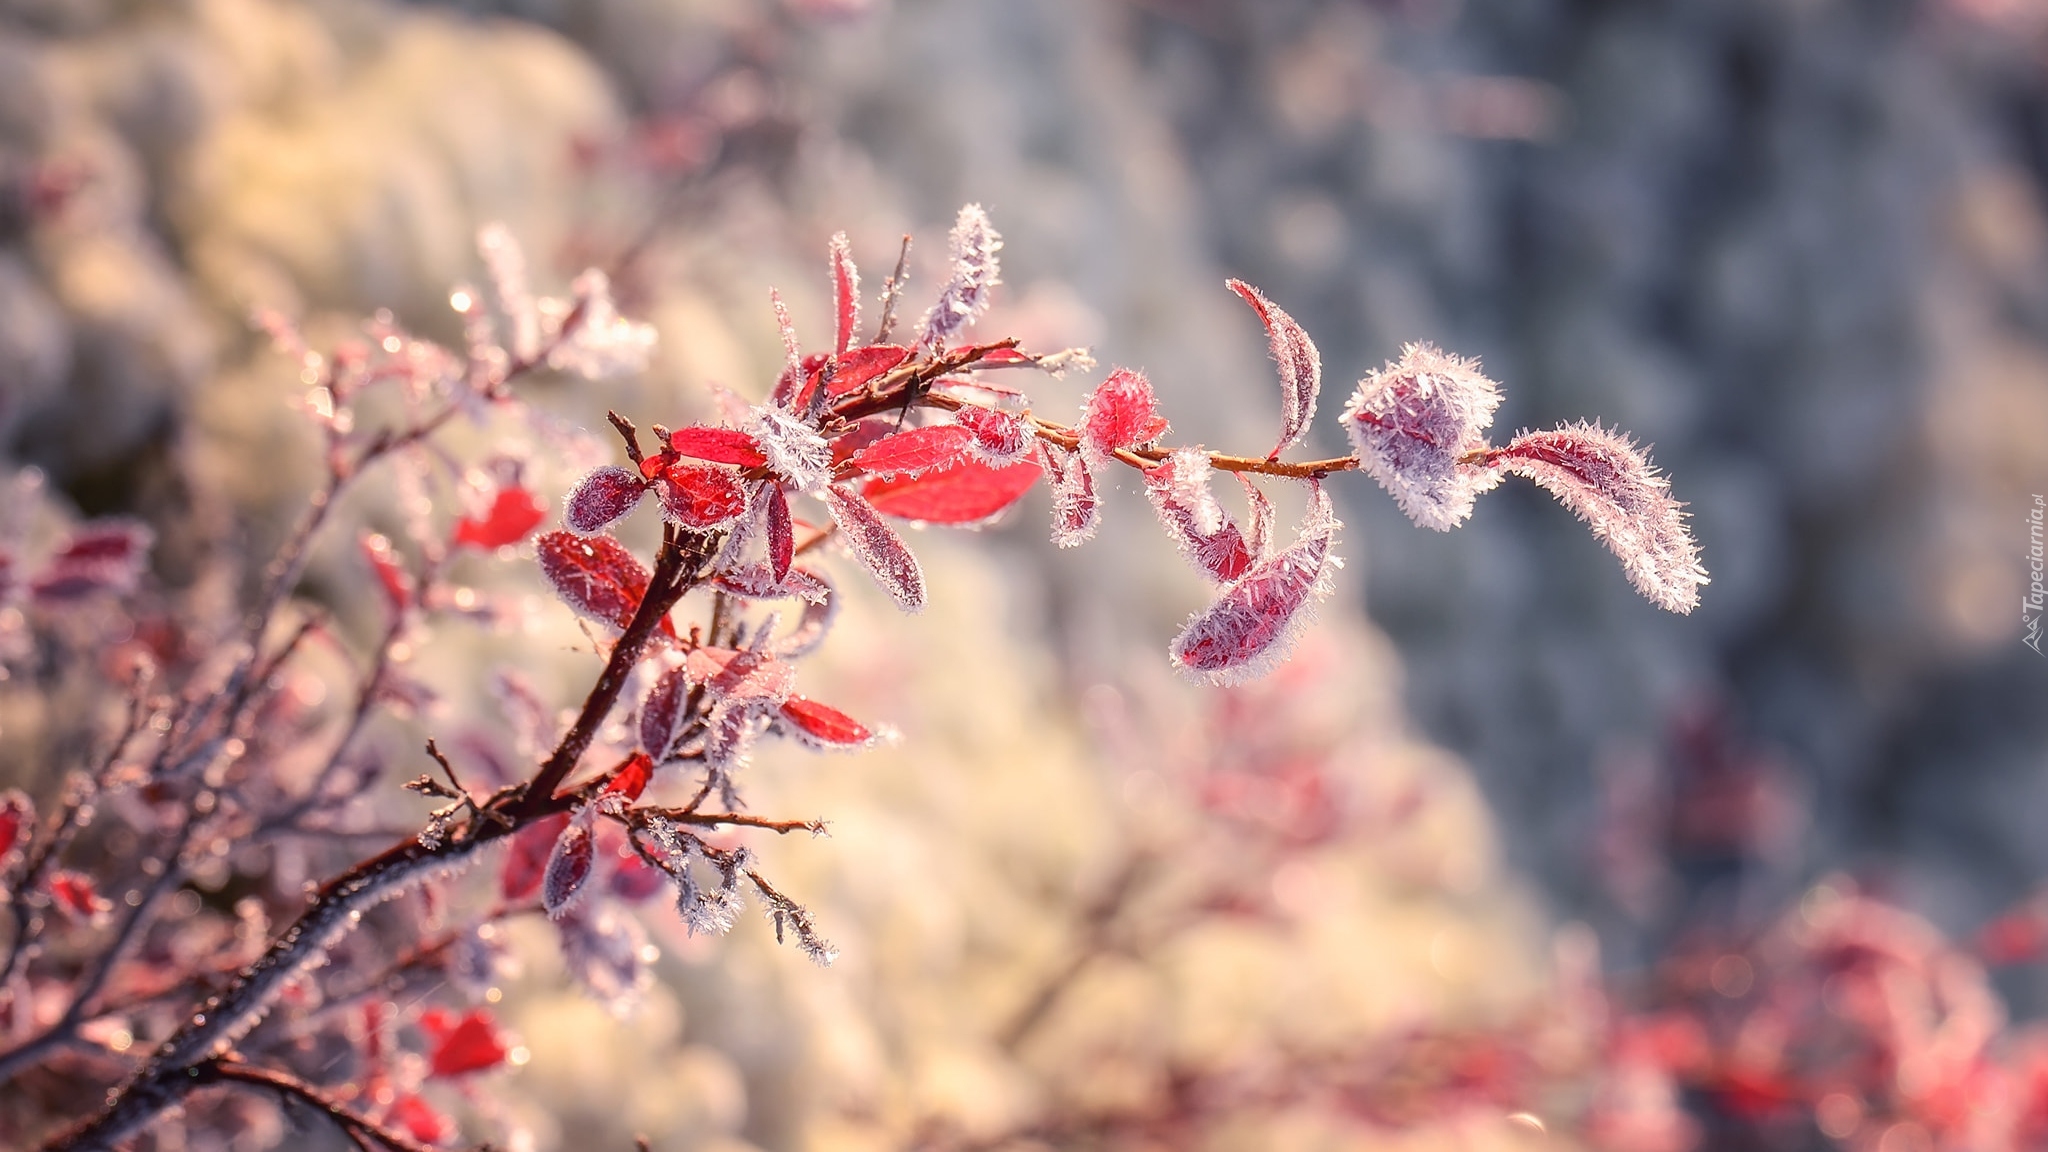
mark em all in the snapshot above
pixel 2037 596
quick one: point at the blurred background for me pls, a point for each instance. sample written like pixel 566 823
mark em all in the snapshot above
pixel 1798 246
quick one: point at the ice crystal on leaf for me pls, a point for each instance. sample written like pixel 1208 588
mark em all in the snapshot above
pixel 602 499
pixel 999 437
pixel 1300 365
pixel 1121 413
pixel 1178 488
pixel 1252 625
pixel 968 494
pixel 591 339
pixel 975 272
pixel 506 262
pixel 877 546
pixel 701 498
pixel 595 575
pixel 793 449
pixel 569 865
pixel 1076 510
pixel 1412 422
pixel 662 712
pixel 845 294
pixel 1612 486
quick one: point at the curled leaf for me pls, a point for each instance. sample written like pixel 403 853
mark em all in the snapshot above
pixel 975 274
pixel 1413 421
pixel 1252 625
pixel 569 865
pixel 1178 488
pixel 845 293
pixel 877 547
pixel 601 499
pixel 1611 484
pixel 1121 413
pixel 1076 510
pixel 1300 365
pixel 999 437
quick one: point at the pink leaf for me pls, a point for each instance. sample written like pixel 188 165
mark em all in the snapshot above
pixel 396 581
pixel 75 896
pixel 877 547
pixel 701 498
pixel 103 556
pixel 822 727
pixel 1178 488
pixel 1613 487
pixel 1260 538
pixel 1252 625
pixel 1412 422
pixel 527 862
pixel 417 1119
pixel 1120 413
pixel 861 365
pixel 1076 510
pixel 17 823
pixel 1301 366
pixel 569 866
pixel 967 493
pixel 514 513
pixel 662 712
pixel 595 575
pixel 916 451
pixel 460 1045
pixel 781 534
pixel 975 273
pixel 601 499
pixel 717 445
pixel 845 294
pixel 999 437
pixel 726 674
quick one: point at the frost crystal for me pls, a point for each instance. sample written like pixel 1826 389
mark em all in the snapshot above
pixel 600 499
pixel 1412 420
pixel 975 271
pixel 603 345
pixel 1122 412
pixel 845 293
pixel 883 553
pixel 1251 627
pixel 1076 510
pixel 1613 487
pixel 999 437
pixel 794 449
pixel 506 263
pixel 1301 366
pixel 1179 491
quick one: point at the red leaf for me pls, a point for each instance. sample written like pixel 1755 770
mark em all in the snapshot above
pixel 1412 424
pixel 877 547
pixel 630 778
pixel 462 1045
pixel 756 582
pixel 1251 626
pixel 595 575
pixel 569 865
pixel 781 534
pixel 1178 488
pixel 600 499
pixel 662 710
pixel 999 437
pixel 528 860
pixel 1076 510
pixel 701 497
pixel 1003 357
pixel 1301 366
pixel 717 445
pixel 514 513
pixel 845 294
pixel 727 674
pixel 103 556
pixel 396 580
pixel 417 1119
pixel 861 365
pixel 823 727
pixel 17 820
pixel 862 434
pixel 76 898
pixel 967 493
pixel 916 451
pixel 1120 413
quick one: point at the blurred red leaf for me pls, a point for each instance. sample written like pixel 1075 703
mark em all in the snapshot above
pixel 77 898
pixel 391 574
pixel 967 493
pixel 460 1045
pixel 630 778
pixel 514 513
pixel 1301 366
pixel 17 817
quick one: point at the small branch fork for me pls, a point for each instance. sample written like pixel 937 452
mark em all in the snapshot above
pixel 356 1126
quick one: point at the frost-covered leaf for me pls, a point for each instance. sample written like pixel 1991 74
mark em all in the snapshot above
pixel 1611 484
pixel 916 451
pixel 102 556
pixel 1300 365
pixel 1122 412
pixel 1259 538
pixel 1411 423
pixel 969 492
pixel 514 513
pixel 1076 510
pixel 1178 488
pixel 602 499
pixel 792 918
pixel 701 498
pixel 391 575
pixel 976 272
pixel 731 674
pixel 461 1045
pixel 823 727
pixel 781 534
pixel 607 952
pixel 717 446
pixel 756 581
pixel 662 712
pixel 999 437
pixel 845 294
pixel 816 622
pixel 569 865
pixel 595 575
pixel 877 547
pixel 859 366
pixel 1252 625
pixel 526 861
